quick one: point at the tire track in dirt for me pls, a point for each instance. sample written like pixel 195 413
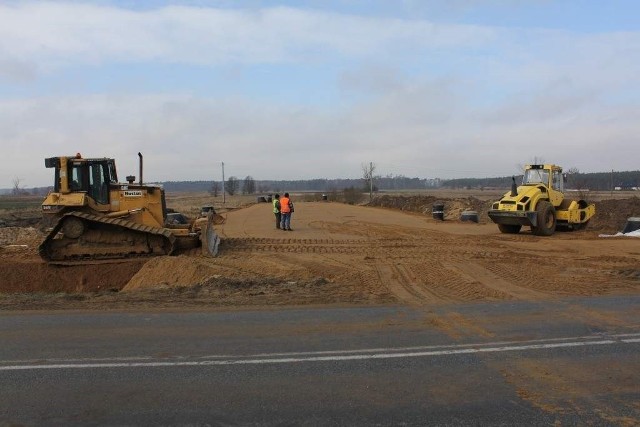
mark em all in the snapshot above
pixel 464 288
pixel 414 270
pixel 406 286
pixel 475 272
pixel 293 245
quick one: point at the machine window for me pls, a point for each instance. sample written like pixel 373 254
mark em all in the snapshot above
pixel 536 176
pixel 77 178
pixel 113 178
pixel 558 181
pixel 98 186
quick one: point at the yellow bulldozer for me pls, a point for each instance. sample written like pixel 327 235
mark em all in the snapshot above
pixel 540 204
pixel 93 217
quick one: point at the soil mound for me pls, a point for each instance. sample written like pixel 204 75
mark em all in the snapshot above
pixel 172 271
pixel 424 204
pixel 17 276
pixel 611 215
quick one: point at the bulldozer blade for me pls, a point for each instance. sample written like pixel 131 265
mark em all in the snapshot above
pixel 210 239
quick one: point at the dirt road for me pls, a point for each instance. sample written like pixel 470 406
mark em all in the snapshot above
pixel 360 255
pixel 416 260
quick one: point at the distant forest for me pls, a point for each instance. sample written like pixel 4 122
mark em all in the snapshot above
pixel 317 185
pixel 601 181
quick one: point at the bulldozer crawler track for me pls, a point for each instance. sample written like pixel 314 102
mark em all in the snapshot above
pixel 94 256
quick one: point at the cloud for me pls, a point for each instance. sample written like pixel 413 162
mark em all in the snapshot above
pixel 20 72
pixel 417 97
pixel 424 130
pixel 60 33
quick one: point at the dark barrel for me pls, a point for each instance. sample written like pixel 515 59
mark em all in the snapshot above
pixel 469 216
pixel 438 211
pixel 633 224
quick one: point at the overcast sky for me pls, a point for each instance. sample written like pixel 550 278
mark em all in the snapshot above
pixel 314 89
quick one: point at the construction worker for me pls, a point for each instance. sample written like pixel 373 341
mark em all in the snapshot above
pixel 285 212
pixel 276 209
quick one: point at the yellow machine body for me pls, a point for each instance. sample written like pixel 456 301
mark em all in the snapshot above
pixel 94 217
pixel 540 203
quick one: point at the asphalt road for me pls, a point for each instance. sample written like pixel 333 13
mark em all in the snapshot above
pixel 571 361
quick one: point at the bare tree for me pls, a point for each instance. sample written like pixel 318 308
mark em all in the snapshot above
pixel 17 189
pixel 367 175
pixel 232 185
pixel 249 185
pixel 573 171
pixel 574 179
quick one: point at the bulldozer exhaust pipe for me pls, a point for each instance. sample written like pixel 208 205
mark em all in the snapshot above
pixel 140 156
pixel 514 187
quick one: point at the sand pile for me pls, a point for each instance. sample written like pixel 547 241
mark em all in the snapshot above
pixel 424 204
pixel 172 271
pixel 612 215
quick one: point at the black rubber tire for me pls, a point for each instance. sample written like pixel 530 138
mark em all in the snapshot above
pixel 509 228
pixel 546 219
pixel 469 216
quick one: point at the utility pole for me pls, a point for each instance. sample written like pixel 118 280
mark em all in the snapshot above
pixel 370 181
pixel 224 199
pixel 611 191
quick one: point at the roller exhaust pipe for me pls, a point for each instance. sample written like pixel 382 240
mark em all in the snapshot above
pixel 140 156
pixel 514 187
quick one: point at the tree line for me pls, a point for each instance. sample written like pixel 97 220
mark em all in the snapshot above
pixel 598 181
pixel 249 185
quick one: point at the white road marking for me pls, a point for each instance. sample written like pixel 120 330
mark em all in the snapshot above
pixel 336 356
pixel 315 353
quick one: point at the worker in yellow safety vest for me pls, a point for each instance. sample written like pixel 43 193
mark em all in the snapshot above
pixel 276 209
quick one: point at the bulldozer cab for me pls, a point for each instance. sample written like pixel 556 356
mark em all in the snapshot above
pixel 89 176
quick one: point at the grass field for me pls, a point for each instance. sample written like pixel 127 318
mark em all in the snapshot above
pixel 20 202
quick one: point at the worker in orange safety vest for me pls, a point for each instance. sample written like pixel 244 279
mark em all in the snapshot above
pixel 286 207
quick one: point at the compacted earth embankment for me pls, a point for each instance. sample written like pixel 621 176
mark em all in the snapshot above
pixel 341 254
